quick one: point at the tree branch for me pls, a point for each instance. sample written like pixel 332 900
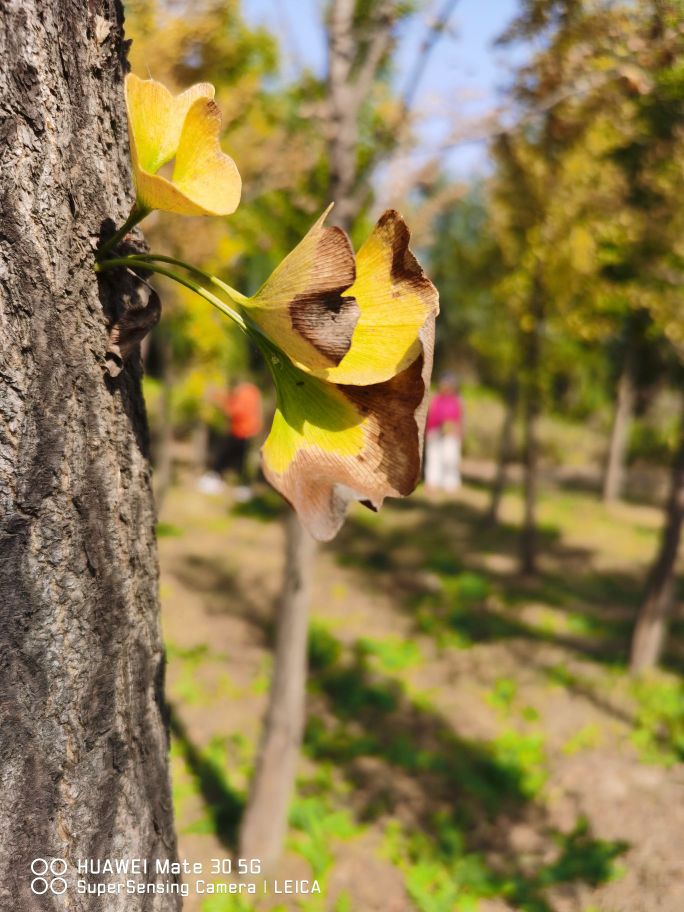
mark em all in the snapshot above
pixel 378 47
pixel 430 41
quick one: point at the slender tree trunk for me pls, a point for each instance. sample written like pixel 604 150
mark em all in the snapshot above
pixel 531 404
pixel 344 107
pixel 349 81
pixel 351 76
pixel 505 450
pixel 659 598
pixel 264 825
pixel 265 821
pixel 529 536
pixel 83 768
pixel 200 447
pixel 614 477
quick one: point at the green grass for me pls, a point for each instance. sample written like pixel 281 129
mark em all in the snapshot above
pixel 523 758
pixel 265 506
pixel 441 875
pixel 384 751
pixel 207 770
pixel 586 738
pixel 442 872
pixel 168 530
pixel 391 654
pixel 659 725
pixel 191 687
pixel 502 695
pixel 316 826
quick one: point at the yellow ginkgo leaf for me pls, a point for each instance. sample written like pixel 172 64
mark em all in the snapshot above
pixel 332 444
pixel 397 307
pixel 303 306
pixel 349 343
pixel 186 127
pixel 349 321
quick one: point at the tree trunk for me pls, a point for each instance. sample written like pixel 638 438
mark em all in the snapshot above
pixel 349 81
pixel 344 108
pixel 265 822
pixel 355 55
pixel 531 357
pixel 505 451
pixel 659 598
pixel 83 769
pixel 613 480
pixel 528 535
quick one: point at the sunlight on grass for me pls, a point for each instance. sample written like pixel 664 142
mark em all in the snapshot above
pixel 586 738
pixel 659 726
pixel 167 530
pixel 316 827
pixel 391 654
pixel 502 695
pixel 380 727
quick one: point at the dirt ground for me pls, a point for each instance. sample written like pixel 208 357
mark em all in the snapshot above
pixel 474 742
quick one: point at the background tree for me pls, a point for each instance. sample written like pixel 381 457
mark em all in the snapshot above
pixel 353 66
pixel 614 477
pixel 616 69
pixel 474 332
pixel 83 751
pixel 363 123
pixel 652 160
pixel 555 193
pixel 195 351
pixel 525 295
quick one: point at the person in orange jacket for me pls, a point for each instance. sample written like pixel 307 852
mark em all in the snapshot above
pixel 242 406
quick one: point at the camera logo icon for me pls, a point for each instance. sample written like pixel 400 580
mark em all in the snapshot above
pixel 55 883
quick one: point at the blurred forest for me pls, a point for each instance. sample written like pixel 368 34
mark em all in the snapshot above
pixel 495 709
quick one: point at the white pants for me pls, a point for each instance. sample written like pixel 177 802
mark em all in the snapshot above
pixel 442 461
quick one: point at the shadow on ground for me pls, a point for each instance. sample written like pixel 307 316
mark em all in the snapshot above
pixel 451 570
pixel 457 801
pixel 224 804
pixel 224 591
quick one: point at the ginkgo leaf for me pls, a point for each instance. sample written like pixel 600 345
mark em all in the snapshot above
pixel 156 117
pixel 332 444
pixel 186 127
pixel 303 307
pixel 355 321
pixel 397 307
pixel 349 342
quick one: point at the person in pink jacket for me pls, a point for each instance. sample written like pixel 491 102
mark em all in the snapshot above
pixel 443 437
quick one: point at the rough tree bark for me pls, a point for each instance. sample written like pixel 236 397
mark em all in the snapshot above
pixel 614 477
pixel 659 598
pixel 83 769
pixel 505 450
pixel 263 829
